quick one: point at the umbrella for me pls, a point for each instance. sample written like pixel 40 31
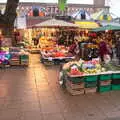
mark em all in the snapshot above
pixel 55 23
pixel 107 27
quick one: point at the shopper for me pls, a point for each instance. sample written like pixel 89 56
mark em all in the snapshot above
pixel 75 50
pixel 103 51
pixel 110 50
pixel 72 47
pixel 118 50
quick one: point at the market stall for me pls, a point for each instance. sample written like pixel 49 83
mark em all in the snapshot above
pixel 54 41
pixel 13 56
pixel 83 77
pixel 56 55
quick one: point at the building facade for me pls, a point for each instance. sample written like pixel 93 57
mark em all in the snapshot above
pixel 51 9
pixel 36 12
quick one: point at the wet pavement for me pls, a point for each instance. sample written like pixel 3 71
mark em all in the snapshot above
pixel 33 93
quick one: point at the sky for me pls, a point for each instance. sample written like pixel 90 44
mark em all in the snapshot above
pixel 114 4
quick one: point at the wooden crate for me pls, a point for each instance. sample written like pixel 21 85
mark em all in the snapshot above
pixel 90 90
pixel 106 82
pixel 24 63
pixel 14 62
pixel 75 91
pixel 75 86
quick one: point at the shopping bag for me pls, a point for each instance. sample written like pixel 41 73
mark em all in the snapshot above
pixel 107 58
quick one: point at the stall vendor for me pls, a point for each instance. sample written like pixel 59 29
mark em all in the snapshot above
pixel 74 49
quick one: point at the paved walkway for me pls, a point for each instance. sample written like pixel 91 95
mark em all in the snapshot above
pixel 34 94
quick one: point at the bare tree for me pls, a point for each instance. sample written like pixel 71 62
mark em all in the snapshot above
pixel 8 18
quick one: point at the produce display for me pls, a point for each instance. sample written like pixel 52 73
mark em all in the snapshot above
pixel 4 58
pixel 83 67
pixel 84 77
pixel 47 41
pixel 13 56
pixel 56 52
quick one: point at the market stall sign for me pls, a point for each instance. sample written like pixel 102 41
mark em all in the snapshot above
pixel 87 24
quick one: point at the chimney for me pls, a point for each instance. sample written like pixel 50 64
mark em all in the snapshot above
pixel 100 3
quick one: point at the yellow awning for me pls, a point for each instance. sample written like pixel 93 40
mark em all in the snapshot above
pixel 87 24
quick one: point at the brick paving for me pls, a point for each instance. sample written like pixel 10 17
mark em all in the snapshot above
pixel 33 93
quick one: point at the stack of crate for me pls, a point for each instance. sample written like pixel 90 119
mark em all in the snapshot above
pixel 91 84
pixel 75 85
pixel 24 60
pixel 104 83
pixel 116 81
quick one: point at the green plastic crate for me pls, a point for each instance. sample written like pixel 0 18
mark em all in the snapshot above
pixel 24 57
pixel 115 87
pixel 116 76
pixel 105 77
pixel 76 79
pixel 90 84
pixel 91 78
pixel 106 88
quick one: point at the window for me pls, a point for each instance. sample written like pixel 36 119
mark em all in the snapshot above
pixel 35 12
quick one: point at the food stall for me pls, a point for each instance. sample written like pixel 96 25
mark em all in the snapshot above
pixel 83 77
pixel 51 51
pixel 56 55
pixel 13 56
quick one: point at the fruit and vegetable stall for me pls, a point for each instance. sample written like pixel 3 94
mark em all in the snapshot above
pixel 83 77
pixel 13 56
pixel 55 55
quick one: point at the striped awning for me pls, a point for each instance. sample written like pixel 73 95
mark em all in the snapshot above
pixel 55 23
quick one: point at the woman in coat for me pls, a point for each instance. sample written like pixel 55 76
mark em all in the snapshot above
pixel 103 49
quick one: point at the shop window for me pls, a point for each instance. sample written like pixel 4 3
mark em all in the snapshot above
pixel 35 12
